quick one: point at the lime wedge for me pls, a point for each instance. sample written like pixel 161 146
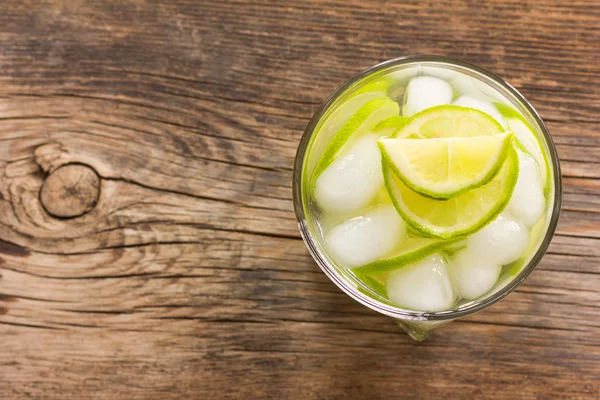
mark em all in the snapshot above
pixel 449 121
pixel 446 167
pixel 365 119
pixel 410 251
pixel 460 215
pixel 527 140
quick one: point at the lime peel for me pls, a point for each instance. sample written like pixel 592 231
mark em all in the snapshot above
pixel 374 283
pixel 409 252
pixel 393 124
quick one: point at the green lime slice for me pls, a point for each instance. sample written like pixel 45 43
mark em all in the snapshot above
pixel 449 121
pixel 381 84
pixel 410 251
pixel 368 116
pixel 335 119
pixel 446 167
pixel 338 117
pixel 451 249
pixel 460 215
pixel 390 126
pixel 527 141
pixel 376 283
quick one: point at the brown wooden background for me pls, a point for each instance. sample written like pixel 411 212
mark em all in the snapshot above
pixel 165 262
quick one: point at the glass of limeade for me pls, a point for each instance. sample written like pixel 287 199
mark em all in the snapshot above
pixel 427 189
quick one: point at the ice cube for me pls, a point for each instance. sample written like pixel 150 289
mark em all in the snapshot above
pixel 402 76
pixel 527 202
pixel 484 89
pixel 364 239
pixel 481 105
pixel 501 284
pixel 423 286
pixel 473 276
pixel 439 72
pixel 352 180
pixel 503 241
pixel 424 92
pixel 463 84
pixel 459 81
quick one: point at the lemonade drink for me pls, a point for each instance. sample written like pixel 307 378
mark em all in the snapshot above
pixel 427 188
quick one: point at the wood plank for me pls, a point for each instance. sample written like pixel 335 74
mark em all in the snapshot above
pixel 188 277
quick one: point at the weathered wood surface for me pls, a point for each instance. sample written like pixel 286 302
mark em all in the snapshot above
pixel 165 263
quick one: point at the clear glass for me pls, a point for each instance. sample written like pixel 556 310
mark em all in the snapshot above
pixel 417 324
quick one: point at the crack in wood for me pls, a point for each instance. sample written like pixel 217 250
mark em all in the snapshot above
pixel 23 325
pixel 13 249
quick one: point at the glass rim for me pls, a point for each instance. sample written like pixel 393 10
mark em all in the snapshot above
pixel 345 285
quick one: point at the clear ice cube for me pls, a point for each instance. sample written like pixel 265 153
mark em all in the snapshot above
pixel 364 239
pixel 423 286
pixel 352 180
pixel 425 92
pixel 461 83
pixel 527 202
pixel 473 276
pixel 464 84
pixel 481 105
pixel 503 241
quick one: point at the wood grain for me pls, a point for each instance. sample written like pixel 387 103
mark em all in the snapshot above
pixel 168 264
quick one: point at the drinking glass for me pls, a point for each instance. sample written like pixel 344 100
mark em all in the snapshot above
pixel 416 323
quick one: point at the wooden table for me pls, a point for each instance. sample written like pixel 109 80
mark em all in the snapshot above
pixel 149 248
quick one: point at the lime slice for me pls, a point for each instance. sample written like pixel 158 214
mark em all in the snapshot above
pixel 390 126
pixel 376 283
pixel 344 111
pixel 446 167
pixel 507 111
pixel 449 121
pixel 365 119
pixel 460 215
pixel 410 251
pixel 527 140
pixel 455 247
pixel 382 85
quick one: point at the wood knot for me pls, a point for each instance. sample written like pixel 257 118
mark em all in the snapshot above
pixel 70 191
